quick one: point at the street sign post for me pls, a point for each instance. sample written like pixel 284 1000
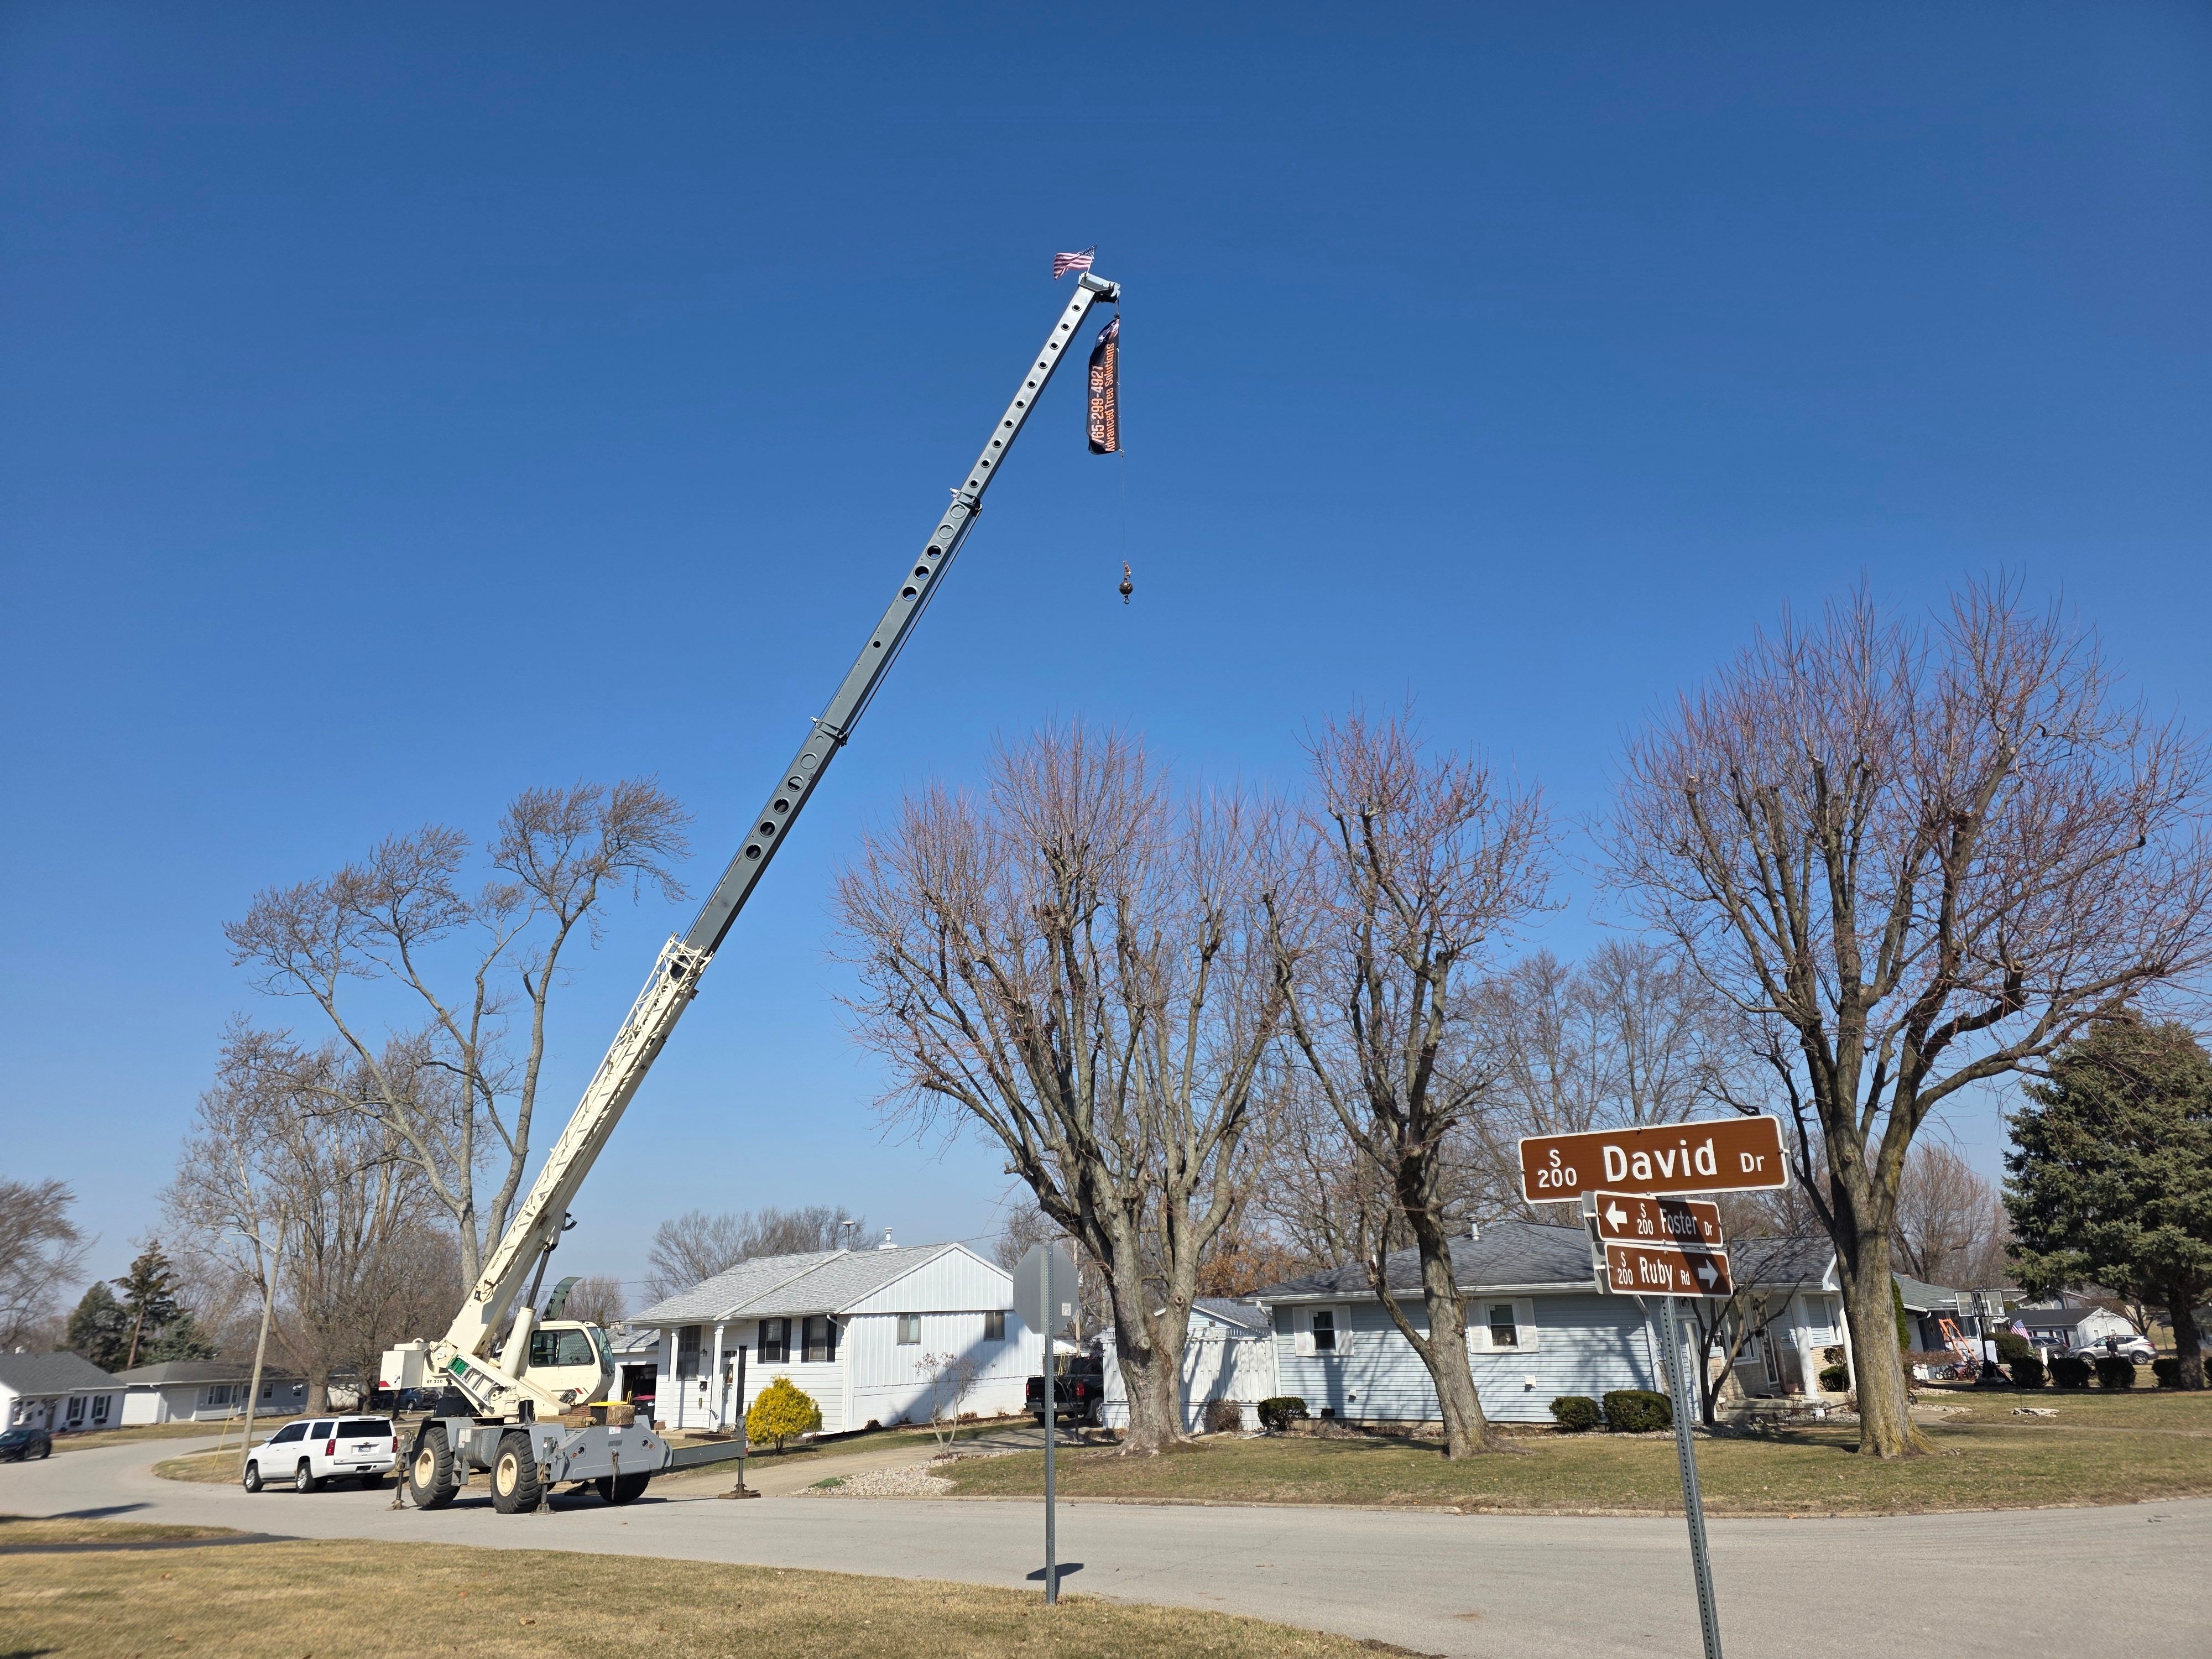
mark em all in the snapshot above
pixel 1045 1284
pixel 1720 1155
pixel 1665 1270
pixel 1693 1502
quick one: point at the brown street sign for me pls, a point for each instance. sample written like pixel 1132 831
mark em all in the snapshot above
pixel 1722 1154
pixel 1633 1218
pixel 1665 1270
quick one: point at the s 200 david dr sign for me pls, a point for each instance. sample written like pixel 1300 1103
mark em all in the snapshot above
pixel 1720 1155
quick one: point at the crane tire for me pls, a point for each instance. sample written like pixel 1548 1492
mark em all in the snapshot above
pixel 515 1487
pixel 431 1482
pixel 622 1489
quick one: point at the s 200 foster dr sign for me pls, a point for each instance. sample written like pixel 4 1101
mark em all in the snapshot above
pixel 1726 1154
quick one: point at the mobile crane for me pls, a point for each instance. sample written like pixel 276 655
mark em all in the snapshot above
pixel 502 1371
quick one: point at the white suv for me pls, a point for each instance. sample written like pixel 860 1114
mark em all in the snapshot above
pixel 308 1454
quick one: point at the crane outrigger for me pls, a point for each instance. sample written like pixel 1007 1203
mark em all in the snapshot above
pixel 525 1399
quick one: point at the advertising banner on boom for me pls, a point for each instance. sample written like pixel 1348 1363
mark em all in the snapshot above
pixel 1719 1155
pixel 1106 391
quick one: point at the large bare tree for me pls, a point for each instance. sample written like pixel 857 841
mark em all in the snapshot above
pixel 453 1090
pixel 1951 1227
pixel 1918 857
pixel 41 1250
pixel 1077 965
pixel 1422 862
pixel 700 1243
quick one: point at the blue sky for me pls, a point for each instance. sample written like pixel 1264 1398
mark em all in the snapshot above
pixel 403 407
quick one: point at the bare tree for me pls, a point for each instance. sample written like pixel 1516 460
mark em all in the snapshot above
pixel 1424 862
pixel 1077 967
pixel 41 1250
pixel 1917 859
pixel 597 1299
pixel 951 1379
pixel 457 1098
pixel 1762 1268
pixel 1950 1227
pixel 699 1243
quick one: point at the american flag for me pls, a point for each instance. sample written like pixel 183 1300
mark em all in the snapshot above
pixel 1064 263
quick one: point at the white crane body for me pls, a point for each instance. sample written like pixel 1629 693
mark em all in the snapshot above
pixel 492 1415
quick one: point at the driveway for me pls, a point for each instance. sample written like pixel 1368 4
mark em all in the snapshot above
pixel 2128 1580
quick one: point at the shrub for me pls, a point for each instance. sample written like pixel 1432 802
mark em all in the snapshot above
pixel 2068 1373
pixel 2167 1371
pixel 2116 1371
pixel 1280 1411
pixel 1576 1414
pixel 2012 1347
pixel 1638 1411
pixel 782 1410
pixel 1835 1379
pixel 1223 1417
pixel 2028 1372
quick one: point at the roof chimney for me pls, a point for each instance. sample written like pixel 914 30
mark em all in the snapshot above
pixel 1474 1230
pixel 887 1244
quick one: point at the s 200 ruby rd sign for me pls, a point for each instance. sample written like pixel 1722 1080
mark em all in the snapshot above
pixel 1726 1154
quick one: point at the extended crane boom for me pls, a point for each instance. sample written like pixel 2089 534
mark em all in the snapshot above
pixel 513 1387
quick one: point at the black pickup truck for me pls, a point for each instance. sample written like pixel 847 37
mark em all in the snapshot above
pixel 1079 1393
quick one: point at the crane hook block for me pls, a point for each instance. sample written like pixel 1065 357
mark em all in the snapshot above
pixel 1127 587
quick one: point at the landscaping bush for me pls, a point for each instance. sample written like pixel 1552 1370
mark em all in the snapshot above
pixel 781 1410
pixel 2068 1373
pixel 1223 1417
pixel 1835 1379
pixel 2028 1372
pixel 2116 1371
pixel 1638 1411
pixel 2167 1371
pixel 1575 1413
pixel 1280 1411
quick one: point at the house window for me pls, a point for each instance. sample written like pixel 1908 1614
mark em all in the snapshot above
pixel 994 1326
pixel 821 1334
pixel 100 1408
pixel 776 1341
pixel 687 1351
pixel 1324 1330
pixel 909 1330
pixel 1504 1334
pixel 75 1410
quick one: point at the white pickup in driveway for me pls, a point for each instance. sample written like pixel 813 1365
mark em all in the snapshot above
pixel 307 1454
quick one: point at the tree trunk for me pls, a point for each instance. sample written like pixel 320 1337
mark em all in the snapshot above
pixel 318 1394
pixel 1466 1431
pixel 2182 1310
pixel 1869 1306
pixel 1154 1385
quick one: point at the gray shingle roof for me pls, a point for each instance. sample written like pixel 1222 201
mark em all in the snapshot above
pixel 2054 1319
pixel 1533 1253
pixel 52 1373
pixel 1245 1316
pixel 201 1370
pixel 782 1286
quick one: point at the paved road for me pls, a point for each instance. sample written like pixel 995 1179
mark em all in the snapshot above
pixel 2130 1581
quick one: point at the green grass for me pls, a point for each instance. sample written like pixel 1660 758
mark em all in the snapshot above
pixel 335 1600
pixel 2101 1448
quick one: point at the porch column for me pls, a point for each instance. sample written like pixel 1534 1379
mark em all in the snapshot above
pixel 714 1381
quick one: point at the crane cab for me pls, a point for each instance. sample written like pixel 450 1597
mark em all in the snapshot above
pixel 569 1359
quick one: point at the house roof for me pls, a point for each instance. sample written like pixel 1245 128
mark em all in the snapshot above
pixel 199 1371
pixel 1921 1296
pixel 1235 1310
pixel 784 1286
pixel 52 1373
pixel 2059 1319
pixel 1535 1256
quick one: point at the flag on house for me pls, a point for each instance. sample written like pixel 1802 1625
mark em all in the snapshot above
pixel 1106 391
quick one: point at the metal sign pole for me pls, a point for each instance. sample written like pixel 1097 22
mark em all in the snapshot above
pixel 1678 1378
pixel 1051 1421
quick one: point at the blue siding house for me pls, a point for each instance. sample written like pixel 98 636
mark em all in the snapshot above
pixel 1537 1329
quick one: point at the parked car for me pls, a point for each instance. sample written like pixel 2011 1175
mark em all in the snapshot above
pixel 2136 1348
pixel 1080 1394
pixel 21 1445
pixel 364 1449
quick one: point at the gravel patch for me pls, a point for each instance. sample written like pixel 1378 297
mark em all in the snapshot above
pixel 911 1482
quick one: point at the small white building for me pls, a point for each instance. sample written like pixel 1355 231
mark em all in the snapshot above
pixel 2063 1330
pixel 863 1332
pixel 206 1391
pixel 61 1393
pixel 1229 1354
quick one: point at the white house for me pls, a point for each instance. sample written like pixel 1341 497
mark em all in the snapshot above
pixel 1229 1355
pixel 861 1331
pixel 2065 1329
pixel 205 1391
pixel 61 1393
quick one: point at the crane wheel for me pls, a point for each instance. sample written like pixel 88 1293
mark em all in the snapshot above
pixel 515 1487
pixel 622 1489
pixel 431 1482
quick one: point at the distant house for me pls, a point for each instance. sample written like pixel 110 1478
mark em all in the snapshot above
pixel 1229 1355
pixel 61 1393
pixel 206 1391
pixel 861 1331
pixel 1537 1329
pixel 2065 1330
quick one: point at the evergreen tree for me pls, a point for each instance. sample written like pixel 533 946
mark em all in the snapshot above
pixel 183 1339
pixel 99 1329
pixel 2112 1173
pixel 149 1297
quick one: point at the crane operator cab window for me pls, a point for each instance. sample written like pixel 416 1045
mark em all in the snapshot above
pixel 561 1348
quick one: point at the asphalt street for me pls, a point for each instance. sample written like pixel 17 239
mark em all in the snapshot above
pixel 2128 1580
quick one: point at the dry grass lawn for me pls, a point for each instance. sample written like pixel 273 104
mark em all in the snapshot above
pixel 2100 1449
pixel 27 1529
pixel 99 1437
pixel 337 1601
